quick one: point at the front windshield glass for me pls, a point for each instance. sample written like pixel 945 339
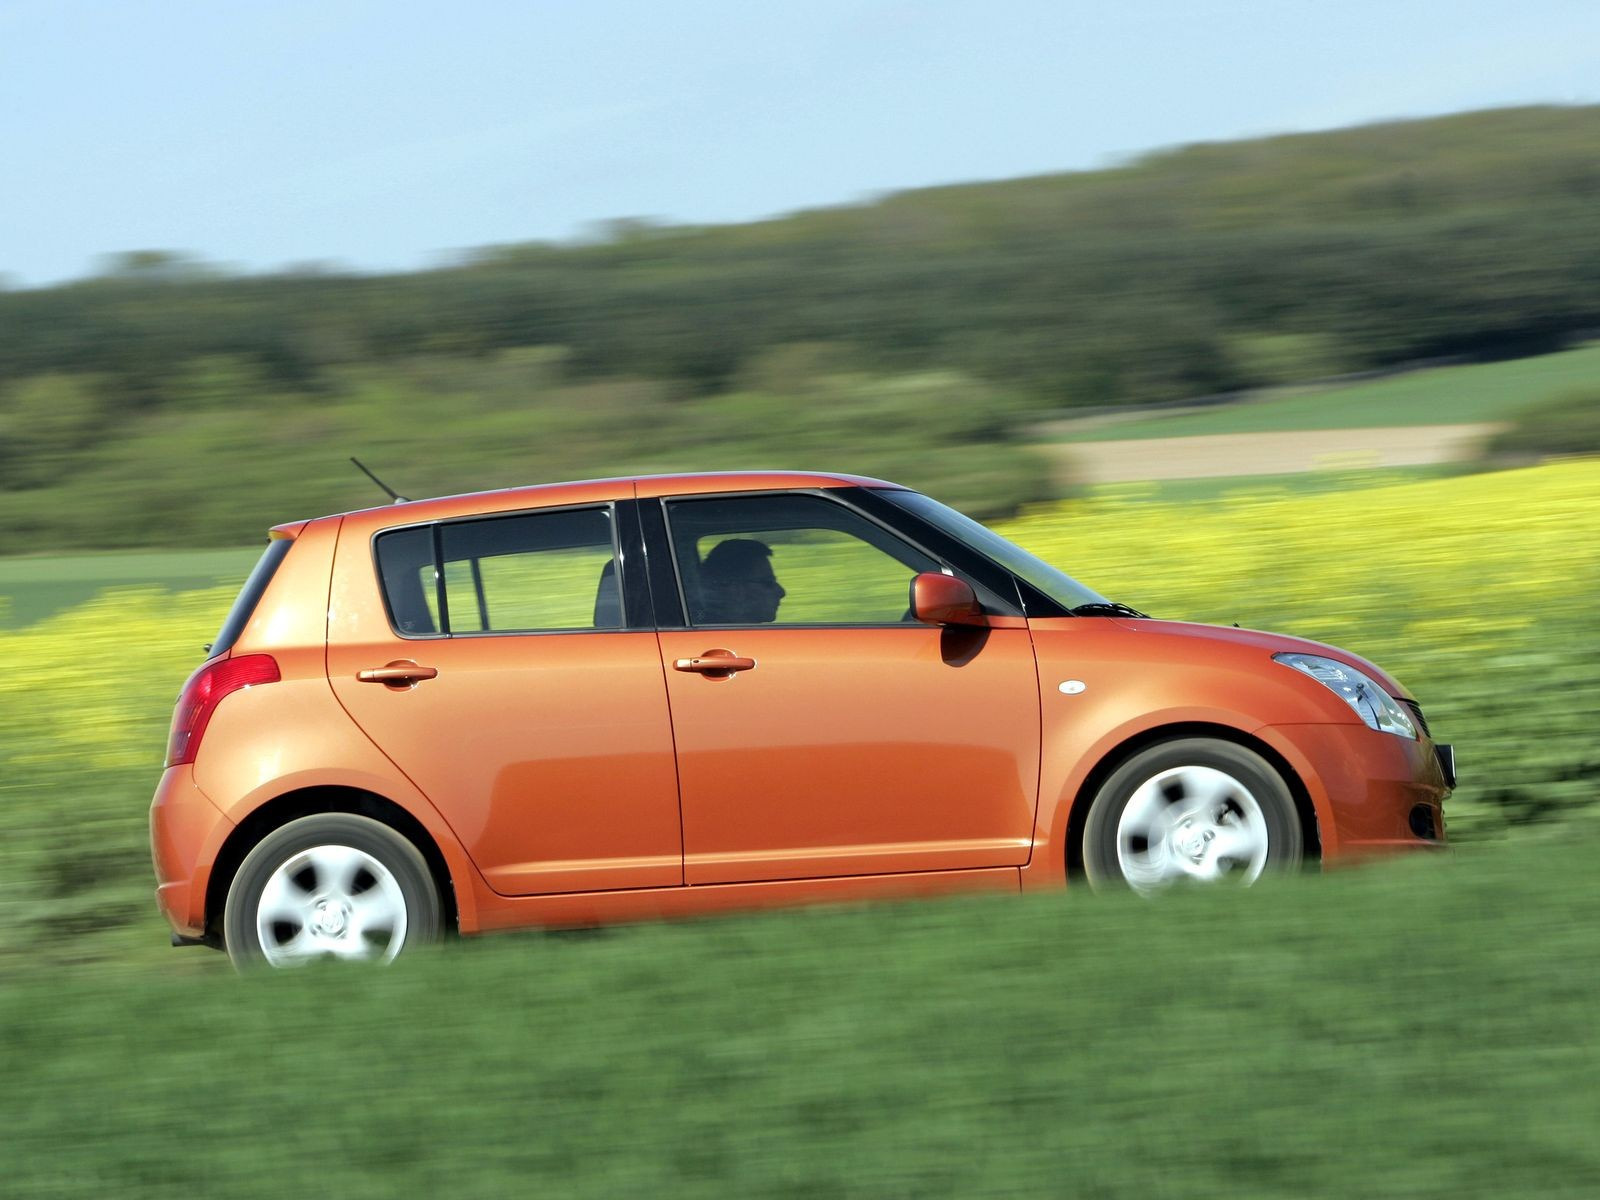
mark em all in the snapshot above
pixel 1060 587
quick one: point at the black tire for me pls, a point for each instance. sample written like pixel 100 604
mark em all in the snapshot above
pixel 344 886
pixel 1200 809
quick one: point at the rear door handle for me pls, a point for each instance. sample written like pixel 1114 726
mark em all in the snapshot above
pixel 401 673
pixel 716 663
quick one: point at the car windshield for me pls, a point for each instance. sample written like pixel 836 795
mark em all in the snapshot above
pixel 1059 586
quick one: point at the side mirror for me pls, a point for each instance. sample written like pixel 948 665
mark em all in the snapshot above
pixel 945 600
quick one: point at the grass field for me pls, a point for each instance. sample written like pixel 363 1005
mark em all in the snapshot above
pixel 1220 489
pixel 1420 1028
pixel 1415 1028
pixel 1434 396
pixel 33 587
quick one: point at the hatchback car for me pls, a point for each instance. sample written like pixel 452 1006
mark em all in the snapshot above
pixel 628 698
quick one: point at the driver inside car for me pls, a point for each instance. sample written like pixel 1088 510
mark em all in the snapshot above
pixel 738 584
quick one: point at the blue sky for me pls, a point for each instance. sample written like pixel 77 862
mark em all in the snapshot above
pixel 263 133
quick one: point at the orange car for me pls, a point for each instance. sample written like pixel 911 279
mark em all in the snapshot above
pixel 628 698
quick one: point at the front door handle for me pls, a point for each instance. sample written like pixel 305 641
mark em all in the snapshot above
pixel 400 673
pixel 715 664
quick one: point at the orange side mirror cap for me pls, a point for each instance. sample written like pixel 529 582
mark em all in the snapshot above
pixel 945 600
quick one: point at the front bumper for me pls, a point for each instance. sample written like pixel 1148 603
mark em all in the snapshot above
pixel 1372 791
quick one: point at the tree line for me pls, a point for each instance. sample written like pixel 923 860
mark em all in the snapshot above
pixel 913 336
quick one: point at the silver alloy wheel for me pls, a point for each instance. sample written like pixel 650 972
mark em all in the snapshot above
pixel 1191 822
pixel 330 901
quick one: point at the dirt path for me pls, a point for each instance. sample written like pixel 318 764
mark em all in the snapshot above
pixel 1222 454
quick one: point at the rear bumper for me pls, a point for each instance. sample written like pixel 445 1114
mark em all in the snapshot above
pixel 186 832
pixel 1373 792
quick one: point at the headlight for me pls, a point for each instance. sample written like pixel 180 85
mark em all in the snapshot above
pixel 1372 704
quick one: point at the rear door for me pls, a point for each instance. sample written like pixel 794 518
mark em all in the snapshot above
pixel 507 666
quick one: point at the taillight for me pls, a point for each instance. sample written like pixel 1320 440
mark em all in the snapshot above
pixel 204 691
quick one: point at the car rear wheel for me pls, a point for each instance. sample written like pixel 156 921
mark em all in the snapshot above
pixel 333 885
pixel 1196 810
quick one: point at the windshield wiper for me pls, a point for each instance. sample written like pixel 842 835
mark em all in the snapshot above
pixel 1106 609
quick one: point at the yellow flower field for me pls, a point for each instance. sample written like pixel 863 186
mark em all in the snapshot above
pixel 1412 574
pixel 1480 592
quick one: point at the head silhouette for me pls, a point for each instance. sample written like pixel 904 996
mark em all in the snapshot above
pixel 739 585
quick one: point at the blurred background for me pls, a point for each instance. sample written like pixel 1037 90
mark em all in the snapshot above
pixel 1273 314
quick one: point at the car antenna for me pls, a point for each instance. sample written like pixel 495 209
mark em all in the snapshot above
pixel 394 495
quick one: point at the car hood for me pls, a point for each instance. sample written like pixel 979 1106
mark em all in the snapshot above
pixel 1271 643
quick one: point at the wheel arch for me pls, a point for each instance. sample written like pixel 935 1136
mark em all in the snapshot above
pixel 1078 813
pixel 310 801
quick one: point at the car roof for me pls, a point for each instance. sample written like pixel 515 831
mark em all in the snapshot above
pixel 585 491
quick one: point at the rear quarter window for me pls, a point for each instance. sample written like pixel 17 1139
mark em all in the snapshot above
pixel 249 596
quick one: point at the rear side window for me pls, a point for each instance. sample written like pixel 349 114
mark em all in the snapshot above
pixel 249 596
pixel 529 573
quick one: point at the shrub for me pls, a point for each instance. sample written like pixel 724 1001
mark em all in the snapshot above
pixel 1566 424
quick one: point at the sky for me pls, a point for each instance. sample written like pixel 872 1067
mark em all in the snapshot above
pixel 392 134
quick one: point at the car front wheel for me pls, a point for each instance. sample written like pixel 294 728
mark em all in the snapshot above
pixel 332 885
pixel 1195 810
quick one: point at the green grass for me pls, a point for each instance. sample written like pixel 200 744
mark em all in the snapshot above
pixel 1421 1027
pixel 1417 1028
pixel 33 587
pixel 1303 483
pixel 1436 396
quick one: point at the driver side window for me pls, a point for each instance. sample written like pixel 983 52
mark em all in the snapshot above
pixel 782 559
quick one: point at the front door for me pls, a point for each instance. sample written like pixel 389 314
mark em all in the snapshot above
pixel 821 730
pixel 532 712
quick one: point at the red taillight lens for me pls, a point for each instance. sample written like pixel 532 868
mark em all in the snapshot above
pixel 202 694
